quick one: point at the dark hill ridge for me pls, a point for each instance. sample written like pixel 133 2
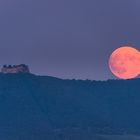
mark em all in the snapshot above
pixel 41 107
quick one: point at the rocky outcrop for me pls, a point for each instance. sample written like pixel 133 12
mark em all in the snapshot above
pixel 22 68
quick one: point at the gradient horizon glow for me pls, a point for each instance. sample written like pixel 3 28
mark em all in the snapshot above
pixel 67 39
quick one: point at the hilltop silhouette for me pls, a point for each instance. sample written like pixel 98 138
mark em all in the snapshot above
pixel 42 107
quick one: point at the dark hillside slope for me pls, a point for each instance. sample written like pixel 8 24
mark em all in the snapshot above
pixel 39 107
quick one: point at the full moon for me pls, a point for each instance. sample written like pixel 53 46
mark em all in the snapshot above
pixel 124 62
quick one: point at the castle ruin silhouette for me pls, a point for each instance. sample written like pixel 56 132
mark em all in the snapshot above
pixel 22 68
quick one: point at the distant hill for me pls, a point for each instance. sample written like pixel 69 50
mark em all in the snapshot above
pixel 42 107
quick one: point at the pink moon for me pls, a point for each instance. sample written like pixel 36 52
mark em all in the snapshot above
pixel 124 62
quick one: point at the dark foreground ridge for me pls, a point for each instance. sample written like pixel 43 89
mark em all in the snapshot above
pixel 47 108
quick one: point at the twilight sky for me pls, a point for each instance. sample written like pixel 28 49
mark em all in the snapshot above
pixel 67 38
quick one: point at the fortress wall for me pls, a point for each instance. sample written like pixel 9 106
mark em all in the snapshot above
pixel 15 69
